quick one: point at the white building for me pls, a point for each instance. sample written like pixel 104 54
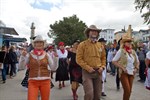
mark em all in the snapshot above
pixel 118 35
pixel 107 34
pixel 136 35
pixel 145 34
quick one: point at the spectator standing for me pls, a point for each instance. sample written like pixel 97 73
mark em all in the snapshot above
pixel 13 61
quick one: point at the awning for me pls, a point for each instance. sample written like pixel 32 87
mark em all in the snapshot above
pixel 15 39
pixel 8 30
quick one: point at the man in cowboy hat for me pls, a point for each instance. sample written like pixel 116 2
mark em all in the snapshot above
pixel 91 57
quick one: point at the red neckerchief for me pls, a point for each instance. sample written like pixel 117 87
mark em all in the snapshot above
pixel 38 52
pixel 128 49
pixel 62 50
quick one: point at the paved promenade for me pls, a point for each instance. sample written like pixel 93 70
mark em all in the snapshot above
pixel 12 90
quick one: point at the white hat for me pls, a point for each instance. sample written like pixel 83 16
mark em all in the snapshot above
pixel 67 46
pixel 39 38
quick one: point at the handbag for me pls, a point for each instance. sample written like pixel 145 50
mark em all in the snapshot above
pixel 1 64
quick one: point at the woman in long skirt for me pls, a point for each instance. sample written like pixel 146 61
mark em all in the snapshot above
pixel 62 71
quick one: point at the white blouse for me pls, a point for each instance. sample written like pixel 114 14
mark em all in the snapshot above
pixel 61 55
pixel 148 55
pixel 130 61
pixel 49 66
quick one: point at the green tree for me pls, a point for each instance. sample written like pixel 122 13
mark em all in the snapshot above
pixel 68 30
pixel 141 5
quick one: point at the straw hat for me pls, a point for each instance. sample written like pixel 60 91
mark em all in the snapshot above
pixel 91 27
pixel 37 39
pixel 127 36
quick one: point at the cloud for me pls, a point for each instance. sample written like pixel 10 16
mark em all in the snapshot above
pixel 104 13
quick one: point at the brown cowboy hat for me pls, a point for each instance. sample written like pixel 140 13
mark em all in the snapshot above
pixel 91 27
pixel 127 36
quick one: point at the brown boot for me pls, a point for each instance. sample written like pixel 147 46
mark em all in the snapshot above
pixel 60 86
pixel 63 84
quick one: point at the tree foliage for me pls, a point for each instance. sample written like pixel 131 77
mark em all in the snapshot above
pixel 68 30
pixel 141 5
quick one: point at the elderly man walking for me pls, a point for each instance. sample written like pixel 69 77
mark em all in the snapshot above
pixel 91 57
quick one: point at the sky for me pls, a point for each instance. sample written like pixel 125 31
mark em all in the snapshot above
pixel 114 14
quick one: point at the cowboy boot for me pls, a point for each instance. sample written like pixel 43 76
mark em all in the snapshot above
pixel 75 96
pixel 60 86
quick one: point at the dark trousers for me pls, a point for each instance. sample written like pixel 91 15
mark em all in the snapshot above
pixel 8 70
pixel 113 68
pixel 4 71
pixel 13 69
pixel 142 68
pixel 117 79
pixel 92 84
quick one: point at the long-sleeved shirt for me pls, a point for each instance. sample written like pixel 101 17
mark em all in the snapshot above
pixel 110 55
pixel 61 55
pixel 91 55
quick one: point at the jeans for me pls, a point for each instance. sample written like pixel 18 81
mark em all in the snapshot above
pixel 4 71
pixel 113 68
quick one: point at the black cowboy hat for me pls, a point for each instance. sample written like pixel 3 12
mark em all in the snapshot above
pixel 102 40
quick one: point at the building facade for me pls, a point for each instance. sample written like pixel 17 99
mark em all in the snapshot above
pixel 145 35
pixel 136 35
pixel 6 36
pixel 142 35
pixel 107 34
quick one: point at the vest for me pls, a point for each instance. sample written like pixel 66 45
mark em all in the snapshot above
pixel 123 60
pixel 38 68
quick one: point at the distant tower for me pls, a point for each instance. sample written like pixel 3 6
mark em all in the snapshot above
pixel 32 31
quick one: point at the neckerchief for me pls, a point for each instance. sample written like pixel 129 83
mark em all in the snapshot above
pixel 128 49
pixel 62 50
pixel 38 52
